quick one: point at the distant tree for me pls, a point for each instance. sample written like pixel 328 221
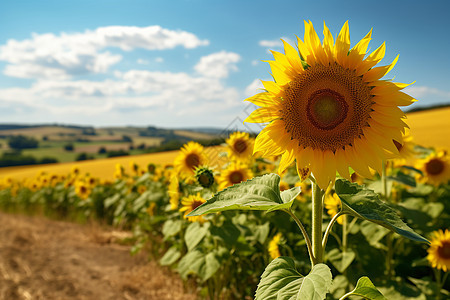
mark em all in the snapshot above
pixel 45 138
pixel 102 150
pixel 22 142
pixel 69 147
pixel 89 131
pixel 141 146
pixel 126 138
pixel 83 156
pixel 48 160
pixel 117 153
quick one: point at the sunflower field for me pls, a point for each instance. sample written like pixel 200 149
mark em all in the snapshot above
pixel 332 200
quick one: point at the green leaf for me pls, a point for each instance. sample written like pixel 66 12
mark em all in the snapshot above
pixel 281 280
pixel 365 289
pixel 373 234
pixel 364 203
pixel 171 228
pixel 259 193
pixel 316 284
pixel 228 232
pixel 171 256
pixel 341 260
pixel 403 178
pixel 198 263
pixel 195 234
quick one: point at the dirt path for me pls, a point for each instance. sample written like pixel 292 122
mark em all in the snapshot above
pixel 45 259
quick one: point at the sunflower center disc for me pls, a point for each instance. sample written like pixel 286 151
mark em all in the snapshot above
pixel 192 160
pixel 196 204
pixel 240 146
pixel 236 177
pixel 444 250
pixel 326 109
pixel 434 167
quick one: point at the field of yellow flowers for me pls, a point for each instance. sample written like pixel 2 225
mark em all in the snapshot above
pixel 225 253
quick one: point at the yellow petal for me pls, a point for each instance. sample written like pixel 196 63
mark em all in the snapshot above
pixel 356 55
pixel 379 139
pixel 318 170
pixel 328 43
pixel 303 172
pixel 262 115
pixel 264 143
pixel 356 162
pixel 343 45
pixel 304 52
pixel 305 157
pixel 286 160
pixel 378 72
pixel 271 87
pixel 262 99
pixel 313 41
pixel 371 60
pixel 279 73
pixel 293 57
pixel 341 164
pixel 330 165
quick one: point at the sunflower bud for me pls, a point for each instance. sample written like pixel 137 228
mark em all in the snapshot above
pixel 204 176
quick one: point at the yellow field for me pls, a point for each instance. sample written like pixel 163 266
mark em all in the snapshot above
pixel 431 128
pixel 102 168
pixel 428 128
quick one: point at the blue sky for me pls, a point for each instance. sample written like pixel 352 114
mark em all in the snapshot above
pixel 190 63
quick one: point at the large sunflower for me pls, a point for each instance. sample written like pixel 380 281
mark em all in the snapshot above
pixel 435 168
pixel 439 251
pixel 191 157
pixel 240 146
pixel 327 107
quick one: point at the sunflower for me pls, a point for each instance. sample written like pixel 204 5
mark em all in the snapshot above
pixel 327 107
pixel 190 203
pixel 240 146
pixel 233 174
pixel 435 168
pixel 273 248
pixel 439 251
pixel 174 192
pixel 333 206
pixel 82 189
pixel 191 156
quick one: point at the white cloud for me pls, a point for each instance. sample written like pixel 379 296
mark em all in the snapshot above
pixel 159 60
pixel 218 65
pixel 253 88
pixel 148 96
pixel 142 61
pixel 255 62
pixel 271 43
pixel 65 55
pixel 425 91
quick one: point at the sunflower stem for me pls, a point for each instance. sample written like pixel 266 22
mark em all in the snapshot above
pixel 384 180
pixel 317 210
pixel 328 230
pixel 305 235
